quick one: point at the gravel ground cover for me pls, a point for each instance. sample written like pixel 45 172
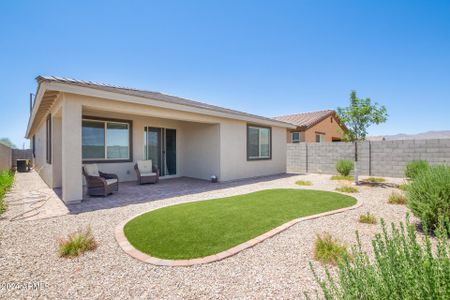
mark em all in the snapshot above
pixel 277 268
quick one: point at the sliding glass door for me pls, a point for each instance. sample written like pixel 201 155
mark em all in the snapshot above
pixel 160 147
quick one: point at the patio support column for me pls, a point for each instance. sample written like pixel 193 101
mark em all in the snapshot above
pixel 72 184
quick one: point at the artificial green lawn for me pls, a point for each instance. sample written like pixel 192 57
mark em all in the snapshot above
pixel 202 228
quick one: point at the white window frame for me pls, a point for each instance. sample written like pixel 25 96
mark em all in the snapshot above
pixel 105 128
pixel 321 137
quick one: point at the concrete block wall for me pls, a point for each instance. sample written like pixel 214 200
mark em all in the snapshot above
pixel 5 157
pixel 21 154
pixel 384 158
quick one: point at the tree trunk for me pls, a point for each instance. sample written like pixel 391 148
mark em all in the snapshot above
pixel 356 163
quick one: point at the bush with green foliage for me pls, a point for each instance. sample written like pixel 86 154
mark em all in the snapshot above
pixel 77 243
pixel 415 167
pixel 429 195
pixel 344 167
pixel 328 250
pixel 404 267
pixel 6 181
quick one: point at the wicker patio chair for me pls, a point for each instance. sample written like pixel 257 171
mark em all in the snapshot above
pixel 99 183
pixel 146 172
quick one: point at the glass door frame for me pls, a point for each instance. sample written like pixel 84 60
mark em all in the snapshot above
pixel 162 141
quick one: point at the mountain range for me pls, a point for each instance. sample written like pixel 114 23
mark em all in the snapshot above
pixel 442 134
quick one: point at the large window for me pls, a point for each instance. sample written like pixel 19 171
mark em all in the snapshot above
pixel 106 140
pixel 259 141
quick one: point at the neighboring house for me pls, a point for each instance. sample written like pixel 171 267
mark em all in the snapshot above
pixel 314 127
pixel 77 122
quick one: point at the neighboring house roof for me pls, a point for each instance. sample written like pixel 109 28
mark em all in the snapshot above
pixel 307 119
pixel 163 98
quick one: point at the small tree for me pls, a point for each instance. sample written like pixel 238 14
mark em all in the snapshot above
pixel 358 117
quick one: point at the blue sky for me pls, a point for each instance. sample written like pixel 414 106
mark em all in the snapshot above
pixel 264 57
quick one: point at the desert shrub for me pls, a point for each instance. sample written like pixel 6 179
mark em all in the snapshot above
pixel 303 182
pixel 415 167
pixel 374 180
pixel 77 243
pixel 368 218
pixel 6 181
pixel 403 187
pixel 397 198
pixel 404 267
pixel 341 177
pixel 429 195
pixel 344 167
pixel 347 189
pixel 328 250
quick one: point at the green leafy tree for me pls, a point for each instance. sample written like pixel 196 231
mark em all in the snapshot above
pixel 358 117
pixel 7 142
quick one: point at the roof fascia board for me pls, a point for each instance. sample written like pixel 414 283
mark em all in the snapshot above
pixel 37 102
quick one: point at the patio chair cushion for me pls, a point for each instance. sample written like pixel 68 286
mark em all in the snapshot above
pixel 145 166
pixel 111 181
pixel 91 170
pixel 148 174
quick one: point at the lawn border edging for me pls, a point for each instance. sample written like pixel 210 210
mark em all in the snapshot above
pixel 143 257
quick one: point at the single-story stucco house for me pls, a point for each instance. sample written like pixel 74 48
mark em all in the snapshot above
pixel 75 122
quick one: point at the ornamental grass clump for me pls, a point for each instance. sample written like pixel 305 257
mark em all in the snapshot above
pixel 429 195
pixel 403 187
pixel 303 182
pixel 403 267
pixel 397 198
pixel 415 167
pixel 347 189
pixel 340 177
pixel 328 250
pixel 374 180
pixel 77 243
pixel 368 219
pixel 344 167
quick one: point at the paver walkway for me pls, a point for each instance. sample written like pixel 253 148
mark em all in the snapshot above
pixel 33 199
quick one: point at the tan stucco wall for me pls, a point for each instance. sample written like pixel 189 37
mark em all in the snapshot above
pixel 5 157
pixel 201 150
pixel 40 162
pixel 330 129
pixel 233 154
